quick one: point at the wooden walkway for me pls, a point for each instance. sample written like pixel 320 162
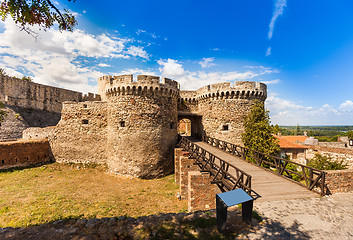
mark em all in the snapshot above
pixel 268 185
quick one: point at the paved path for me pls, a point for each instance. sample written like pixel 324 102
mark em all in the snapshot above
pixel 265 183
pixel 329 217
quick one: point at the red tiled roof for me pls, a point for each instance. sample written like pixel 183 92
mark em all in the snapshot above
pixel 284 143
pixel 295 139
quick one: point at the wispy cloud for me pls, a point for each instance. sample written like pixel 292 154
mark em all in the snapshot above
pixel 141 31
pixel 278 11
pixel 207 62
pixel 192 80
pixel 62 59
pixel 347 106
pixel 104 65
pixel 285 112
pixel 268 52
pixel 275 81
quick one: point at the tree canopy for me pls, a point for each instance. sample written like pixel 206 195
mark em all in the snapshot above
pixel 350 134
pixel 2 112
pixel 258 132
pixel 42 13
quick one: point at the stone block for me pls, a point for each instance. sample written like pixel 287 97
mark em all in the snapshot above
pixel 201 193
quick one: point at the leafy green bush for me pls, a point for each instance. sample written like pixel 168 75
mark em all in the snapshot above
pixel 29 79
pixel 326 163
pixel 350 134
pixel 327 139
pixel 2 112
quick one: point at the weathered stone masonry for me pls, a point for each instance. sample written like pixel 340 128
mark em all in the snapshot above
pixel 221 108
pixel 24 153
pixel 30 104
pixel 133 127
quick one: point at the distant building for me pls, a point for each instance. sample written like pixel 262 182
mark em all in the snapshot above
pixel 290 146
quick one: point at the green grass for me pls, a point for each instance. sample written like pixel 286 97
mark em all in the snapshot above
pixel 61 191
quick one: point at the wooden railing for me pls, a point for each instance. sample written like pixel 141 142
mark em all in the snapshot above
pixel 218 168
pixel 311 178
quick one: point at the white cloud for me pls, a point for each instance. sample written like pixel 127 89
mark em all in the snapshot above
pixel 268 52
pixel 278 11
pixel 61 58
pixel 171 68
pixel 103 65
pixel 275 81
pixel 207 62
pixel 135 71
pixel 137 52
pixel 284 112
pixel 192 80
pixel 347 106
pixel 141 31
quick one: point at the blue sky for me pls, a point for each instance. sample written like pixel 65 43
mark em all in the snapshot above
pixel 301 49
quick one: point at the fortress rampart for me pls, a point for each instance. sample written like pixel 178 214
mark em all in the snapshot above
pixel 25 94
pixel 142 124
pixel 30 104
pixel 222 107
pixel 132 124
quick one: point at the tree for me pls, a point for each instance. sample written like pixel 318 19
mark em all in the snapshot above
pixel 297 130
pixel 258 132
pixel 2 112
pixel 2 72
pixel 275 129
pixel 42 13
pixel 350 134
pixel 29 79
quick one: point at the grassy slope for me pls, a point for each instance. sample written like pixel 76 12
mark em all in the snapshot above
pixel 58 191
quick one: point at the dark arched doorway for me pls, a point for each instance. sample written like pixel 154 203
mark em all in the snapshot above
pixel 190 125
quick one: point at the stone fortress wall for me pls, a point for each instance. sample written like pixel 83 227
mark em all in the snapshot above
pixel 30 104
pixel 25 94
pixel 133 131
pixel 223 107
pixel 142 125
pixel 132 125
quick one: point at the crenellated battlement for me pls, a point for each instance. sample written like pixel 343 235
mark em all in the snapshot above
pixel 188 96
pixel 240 89
pixel 145 85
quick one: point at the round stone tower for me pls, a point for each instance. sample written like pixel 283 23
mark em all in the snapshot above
pixel 141 124
pixel 224 107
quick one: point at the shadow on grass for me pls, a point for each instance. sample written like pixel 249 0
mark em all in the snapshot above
pixel 197 225
pixel 34 165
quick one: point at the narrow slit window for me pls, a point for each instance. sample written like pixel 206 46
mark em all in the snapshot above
pixel 84 105
pixel 122 123
pixel 225 127
pixel 84 121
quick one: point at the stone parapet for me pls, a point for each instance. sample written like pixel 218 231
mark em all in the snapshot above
pixel 339 180
pixel 37 133
pixel 186 165
pixel 178 152
pixel 201 193
pixel 24 153
pixel 145 85
pixel 21 93
pixel 240 90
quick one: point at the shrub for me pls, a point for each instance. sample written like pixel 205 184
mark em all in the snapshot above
pixel 326 163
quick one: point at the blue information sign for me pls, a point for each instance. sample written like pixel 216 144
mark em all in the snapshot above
pixel 234 197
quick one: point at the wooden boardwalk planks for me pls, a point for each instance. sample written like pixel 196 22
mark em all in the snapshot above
pixel 265 183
